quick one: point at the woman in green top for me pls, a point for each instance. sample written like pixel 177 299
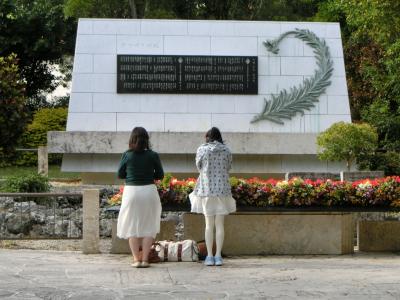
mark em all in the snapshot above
pixel 140 214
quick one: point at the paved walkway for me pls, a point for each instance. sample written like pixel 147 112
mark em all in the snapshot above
pixel 33 274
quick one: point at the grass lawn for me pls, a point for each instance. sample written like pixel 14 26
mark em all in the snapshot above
pixel 54 172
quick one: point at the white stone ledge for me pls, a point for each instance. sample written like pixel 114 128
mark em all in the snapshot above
pixel 181 142
pixel 243 165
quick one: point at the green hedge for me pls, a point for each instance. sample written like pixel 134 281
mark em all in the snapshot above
pixel 44 120
pixel 28 183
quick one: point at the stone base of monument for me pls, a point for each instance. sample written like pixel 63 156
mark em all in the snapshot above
pixel 121 246
pixel 345 175
pixel 375 236
pixel 292 233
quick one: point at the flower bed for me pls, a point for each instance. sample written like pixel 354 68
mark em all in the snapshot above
pixel 292 194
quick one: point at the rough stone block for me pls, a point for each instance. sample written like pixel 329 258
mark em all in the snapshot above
pixel 43 161
pixel 91 231
pixel 80 142
pixel 313 175
pixel 379 236
pixel 303 164
pixel 280 233
pixel 354 176
pixel 121 246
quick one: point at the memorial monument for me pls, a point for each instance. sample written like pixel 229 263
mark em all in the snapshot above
pixel 270 87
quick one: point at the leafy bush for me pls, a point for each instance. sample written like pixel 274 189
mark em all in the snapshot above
pixel 174 191
pixel 29 183
pixel 384 117
pixel 389 162
pixel 165 182
pixel 46 119
pixel 347 141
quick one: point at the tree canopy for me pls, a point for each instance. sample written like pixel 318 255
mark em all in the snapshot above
pixel 347 141
pixel 40 35
pixel 371 37
pixel 194 9
pixel 13 116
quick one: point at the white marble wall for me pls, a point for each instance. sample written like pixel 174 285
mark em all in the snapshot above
pixel 95 105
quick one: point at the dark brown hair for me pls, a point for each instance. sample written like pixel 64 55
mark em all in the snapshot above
pixel 214 135
pixel 139 140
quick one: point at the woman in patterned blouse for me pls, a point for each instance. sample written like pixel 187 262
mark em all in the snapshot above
pixel 212 194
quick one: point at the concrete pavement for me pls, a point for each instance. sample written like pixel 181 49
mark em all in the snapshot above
pixel 34 274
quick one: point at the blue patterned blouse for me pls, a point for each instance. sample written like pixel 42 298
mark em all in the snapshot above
pixel 213 160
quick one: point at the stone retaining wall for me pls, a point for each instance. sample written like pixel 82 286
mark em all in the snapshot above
pixel 280 233
pixel 374 236
pixel 346 176
pixel 43 219
pixel 121 246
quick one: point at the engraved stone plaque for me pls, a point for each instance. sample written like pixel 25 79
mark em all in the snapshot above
pixel 181 74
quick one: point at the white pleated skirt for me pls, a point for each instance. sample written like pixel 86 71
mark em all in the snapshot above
pixel 140 212
pixel 212 205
